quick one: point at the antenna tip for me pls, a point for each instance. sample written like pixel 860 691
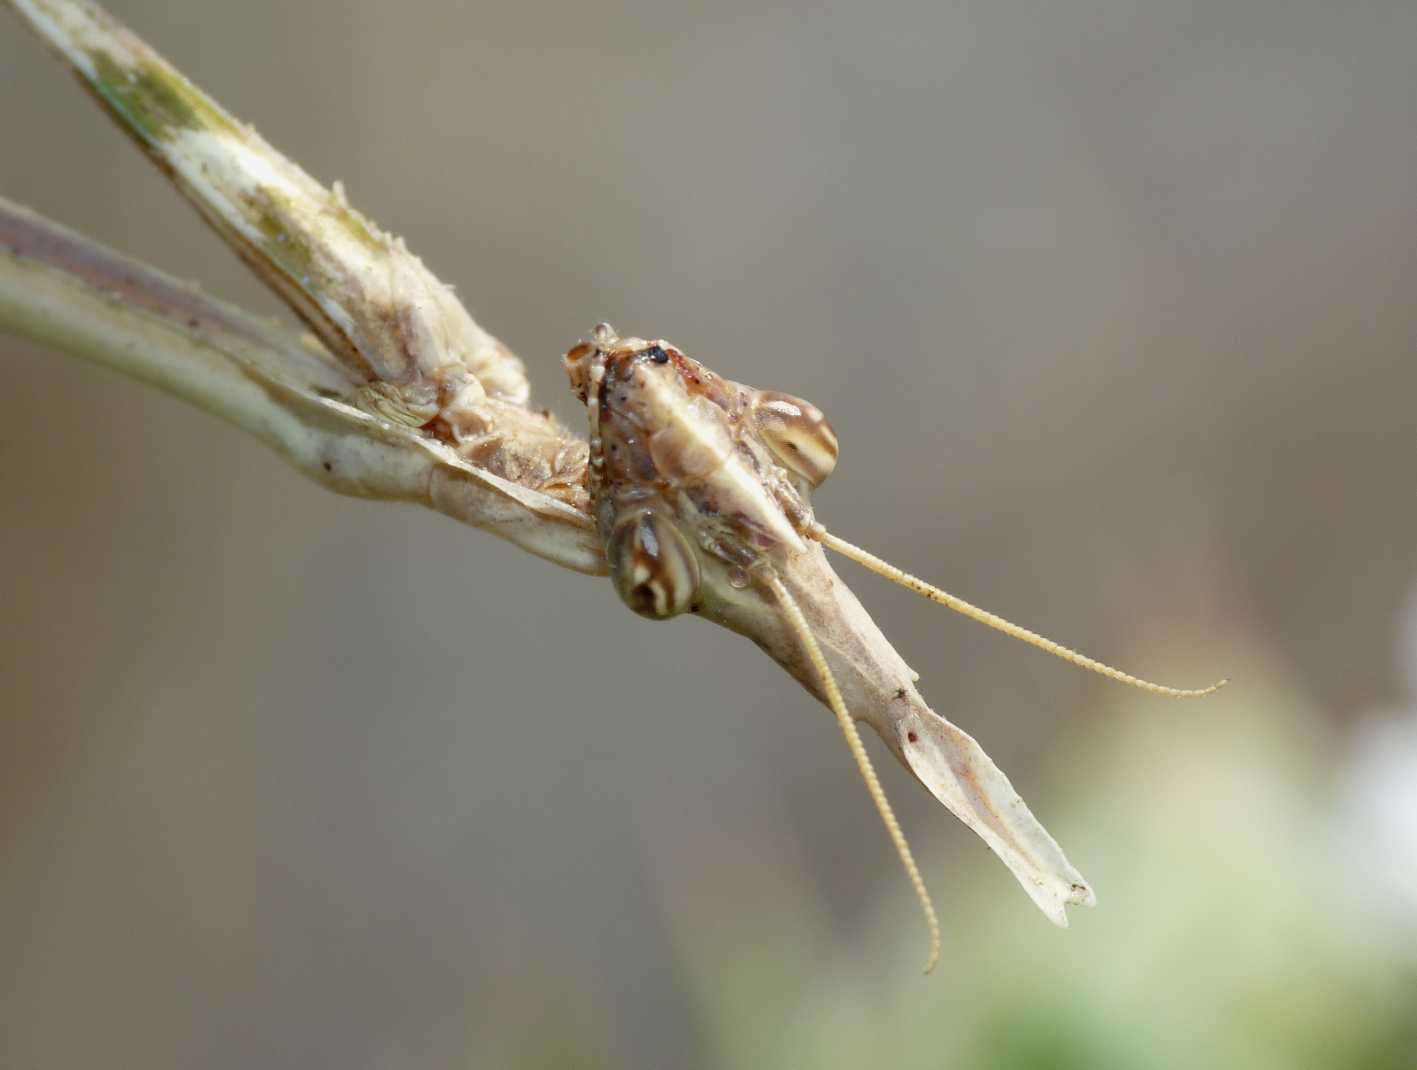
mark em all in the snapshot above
pixel 1199 692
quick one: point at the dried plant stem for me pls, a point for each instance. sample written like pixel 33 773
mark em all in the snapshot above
pixel 61 289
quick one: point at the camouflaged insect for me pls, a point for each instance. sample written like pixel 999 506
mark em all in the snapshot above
pixel 700 489
pixel 692 493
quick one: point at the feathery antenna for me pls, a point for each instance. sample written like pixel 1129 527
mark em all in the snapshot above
pixel 863 760
pixel 983 616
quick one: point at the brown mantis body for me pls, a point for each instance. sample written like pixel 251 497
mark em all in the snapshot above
pixel 700 486
pixel 692 493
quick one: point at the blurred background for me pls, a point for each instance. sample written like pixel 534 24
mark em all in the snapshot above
pixel 1111 306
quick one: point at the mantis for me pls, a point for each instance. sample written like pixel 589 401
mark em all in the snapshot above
pixel 691 491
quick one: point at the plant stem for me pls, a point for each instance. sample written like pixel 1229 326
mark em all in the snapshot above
pixel 61 289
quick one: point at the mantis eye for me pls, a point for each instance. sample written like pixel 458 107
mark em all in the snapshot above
pixel 653 567
pixel 798 435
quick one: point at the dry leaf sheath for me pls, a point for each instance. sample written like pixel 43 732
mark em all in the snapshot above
pixel 695 488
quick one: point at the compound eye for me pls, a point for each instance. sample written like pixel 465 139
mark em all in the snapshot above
pixel 653 567
pixel 798 435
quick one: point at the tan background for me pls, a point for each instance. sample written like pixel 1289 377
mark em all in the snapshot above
pixel 1112 308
